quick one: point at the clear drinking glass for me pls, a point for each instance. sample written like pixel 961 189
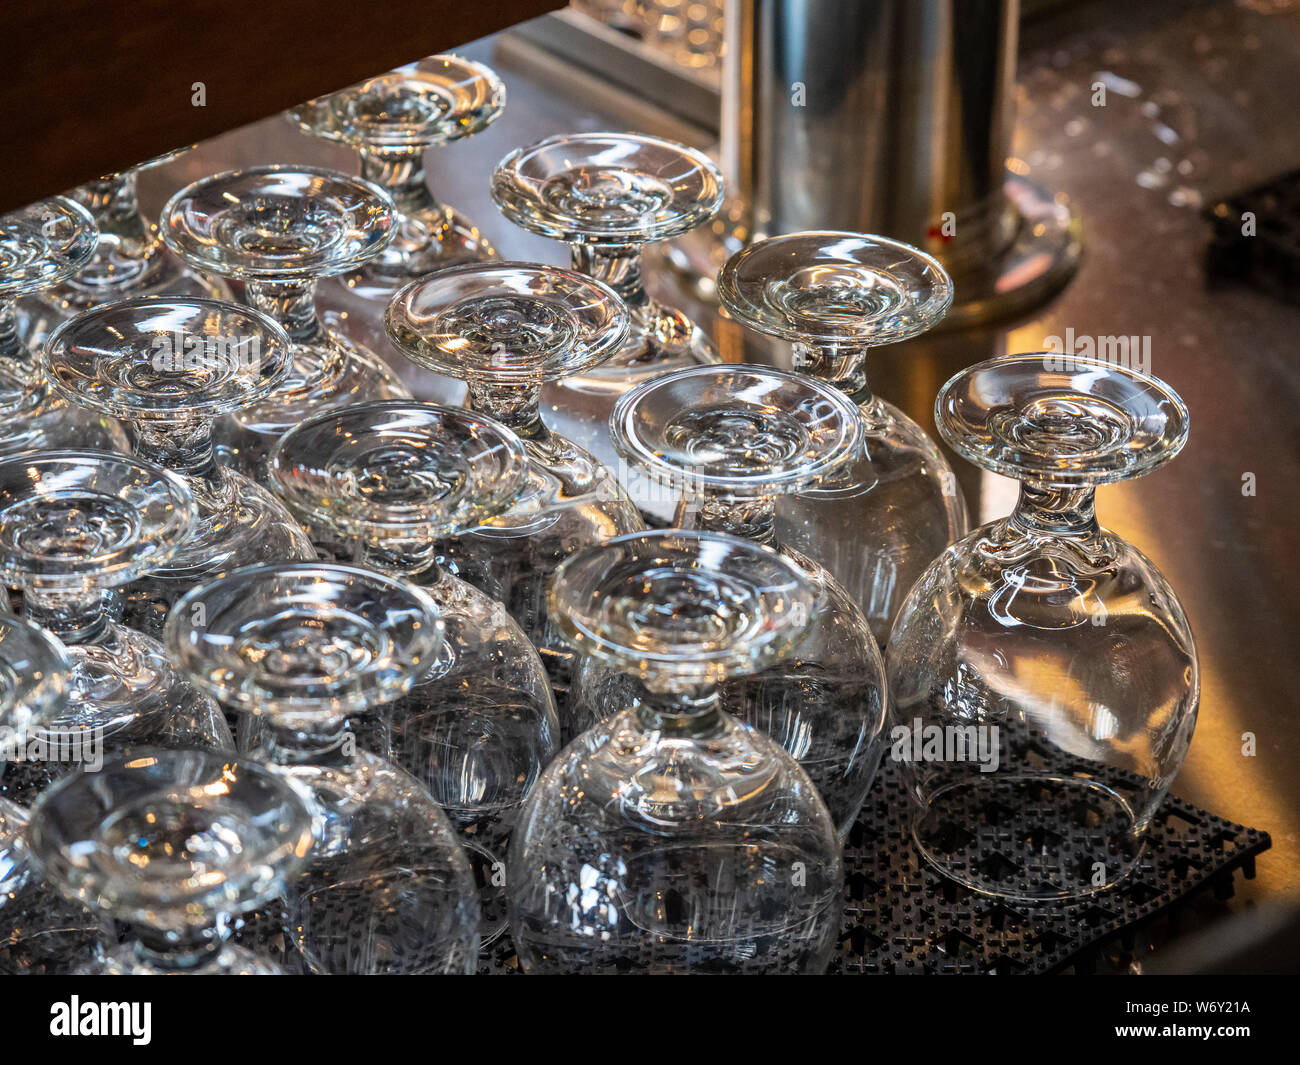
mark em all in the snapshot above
pixel 607 195
pixel 505 329
pixel 391 121
pixel 42 246
pixel 879 523
pixel 129 259
pixel 1043 673
pixel 169 846
pixel 73 525
pixel 278 229
pixel 730 441
pixel 172 367
pixel 479 726
pixel 387 889
pixel 40 932
pixel 671 838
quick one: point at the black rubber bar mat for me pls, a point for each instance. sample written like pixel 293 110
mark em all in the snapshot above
pixel 901 917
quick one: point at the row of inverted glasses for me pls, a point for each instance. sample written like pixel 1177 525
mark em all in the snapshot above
pixel 479 725
pixel 279 229
pixel 506 329
pixel 383 480
pixel 73 526
pixel 490 689
pixel 173 368
pixel 820 298
pixel 607 195
pixel 597 853
pixel 383 886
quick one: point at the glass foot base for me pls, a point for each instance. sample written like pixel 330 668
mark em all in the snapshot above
pixel 1029 838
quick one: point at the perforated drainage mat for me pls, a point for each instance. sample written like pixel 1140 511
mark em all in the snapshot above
pixel 901 916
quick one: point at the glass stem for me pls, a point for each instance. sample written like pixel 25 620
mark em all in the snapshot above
pixel 11 347
pixel 750 519
pixel 840 365
pixel 1056 511
pixel 291 303
pixel 517 406
pixel 400 173
pixel 412 562
pixel 619 266
pixel 325 743
pixel 75 617
pixel 183 446
pixel 692 712
pixel 116 207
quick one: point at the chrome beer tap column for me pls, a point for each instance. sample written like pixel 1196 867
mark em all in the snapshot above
pixel 884 116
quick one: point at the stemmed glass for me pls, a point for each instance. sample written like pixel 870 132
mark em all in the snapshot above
pixel 391 121
pixel 607 195
pixel 834 296
pixel 171 367
pixel 169 846
pixel 74 524
pixel 506 328
pixel 387 888
pixel 41 246
pixel 1055 650
pixel 670 838
pixel 278 229
pixel 731 441
pixel 129 258
pixel 40 932
pixel 479 725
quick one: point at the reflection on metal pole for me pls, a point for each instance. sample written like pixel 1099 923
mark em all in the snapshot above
pixel 891 117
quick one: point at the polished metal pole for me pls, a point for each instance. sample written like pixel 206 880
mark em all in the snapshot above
pixel 890 117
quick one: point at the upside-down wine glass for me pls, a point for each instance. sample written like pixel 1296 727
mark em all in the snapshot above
pixel 41 246
pixel 169 846
pixel 40 931
pixel 479 726
pixel 129 258
pixel 608 195
pixel 391 121
pixel 1044 676
pixel 730 441
pixel 834 296
pixel 73 525
pixel 387 888
pixel 506 328
pixel 278 229
pixel 671 838
pixel 172 367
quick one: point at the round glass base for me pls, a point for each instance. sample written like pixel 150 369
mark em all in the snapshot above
pixel 997 836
